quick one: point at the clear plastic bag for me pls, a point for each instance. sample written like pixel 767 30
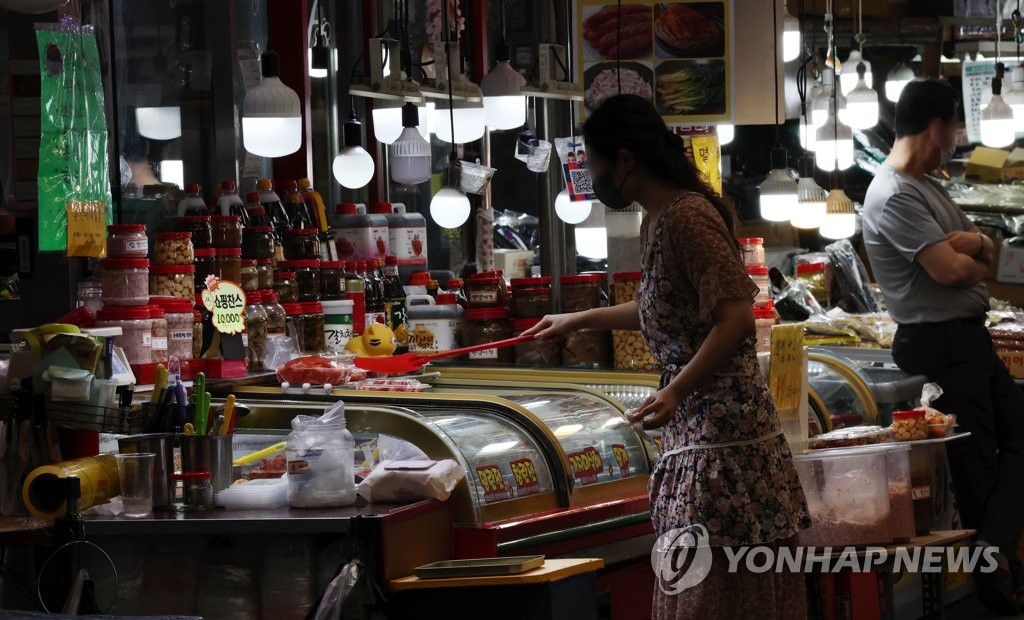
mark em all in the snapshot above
pixel 402 481
pixel 321 460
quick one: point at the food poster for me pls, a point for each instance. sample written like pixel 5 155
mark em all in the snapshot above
pixel 703 151
pixel 675 54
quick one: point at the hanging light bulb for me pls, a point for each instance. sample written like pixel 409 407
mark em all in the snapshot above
pixel 449 208
pixel 862 105
pixel 808 134
pixel 388 122
pixel 410 154
pixel 571 211
pixel 848 74
pixel 997 122
pixel 159 123
pixel 353 167
pixel 834 144
pixel 726 133
pixel 469 121
pixel 790 36
pixel 896 80
pixel 810 208
pixel 778 190
pixel 502 87
pixel 819 104
pixel 271 114
pixel 840 221
pixel 1015 98
pixel 319 52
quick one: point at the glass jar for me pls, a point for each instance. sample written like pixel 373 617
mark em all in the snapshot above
pixel 582 292
pixel 276 317
pixel 258 242
pixel 227 231
pixel 286 287
pixel 206 265
pixel 301 244
pixel 486 292
pixel 332 280
pixel 173 248
pixel 538 353
pixel 752 251
pixel 229 264
pixel 518 284
pixel 587 348
pixel 307 278
pixel 158 341
pixel 625 286
pixel 125 281
pixel 127 241
pixel 136 339
pixel 173 281
pixel 179 325
pixel 760 277
pixel 250 279
pixel 197 335
pixel 764 321
pixel 295 324
pixel 313 326
pixel 483 325
pixel 530 303
pixel 255 341
pixel 631 352
pixel 200 226
pixel 265 273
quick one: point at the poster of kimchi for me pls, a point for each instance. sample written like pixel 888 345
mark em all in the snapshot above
pixel 676 54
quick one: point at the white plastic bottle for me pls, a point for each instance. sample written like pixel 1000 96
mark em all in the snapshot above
pixel 192 203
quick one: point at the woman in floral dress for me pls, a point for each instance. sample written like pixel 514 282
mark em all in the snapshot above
pixel 727 467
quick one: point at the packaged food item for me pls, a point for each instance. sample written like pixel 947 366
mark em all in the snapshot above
pixel 206 265
pixel 125 281
pixel 518 284
pixel 391 384
pixel 485 292
pixel 909 425
pixel 483 325
pixel 587 348
pixel 752 250
pixel 813 275
pixel 172 281
pixel 582 292
pixel 337 324
pixel 332 280
pixel 265 273
pixel 313 326
pixel 295 324
pixel 229 264
pixel 227 231
pixel 173 248
pixel 307 278
pixel 258 242
pixel 179 315
pixel 255 343
pixel 764 320
pixel 536 353
pixel 301 244
pixel 127 241
pixel 849 437
pixel 158 341
pixel 321 460
pixel 250 279
pixel 315 370
pixel 200 226
pixel 759 275
pixel 136 339
pixel 276 317
pixel 433 327
pixel 360 236
pixel 529 303
pixel 197 335
pixel 286 287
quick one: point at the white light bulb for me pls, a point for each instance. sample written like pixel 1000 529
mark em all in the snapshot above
pixel 997 123
pixel 160 123
pixel 897 79
pixel 469 123
pixel 271 114
pixel 833 141
pixel 353 167
pixel 862 106
pixel 504 103
pixel 838 226
pixel 387 123
pixel 271 137
pixel 314 72
pixel 410 158
pixel 449 208
pixel 848 75
pixel 591 242
pixel 726 133
pixel 570 211
pixel 778 196
pixel 790 37
pixel 808 136
pixel 810 208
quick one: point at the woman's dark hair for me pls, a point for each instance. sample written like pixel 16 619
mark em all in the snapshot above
pixel 631 122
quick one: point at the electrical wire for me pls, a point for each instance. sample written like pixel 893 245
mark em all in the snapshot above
pixel 775 66
pixel 618 46
pixel 448 59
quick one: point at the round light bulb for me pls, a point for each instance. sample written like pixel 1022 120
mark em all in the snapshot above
pixel 449 208
pixel 862 107
pixel 896 80
pixel 353 167
pixel 778 196
pixel 997 123
pixel 726 133
pixel 570 211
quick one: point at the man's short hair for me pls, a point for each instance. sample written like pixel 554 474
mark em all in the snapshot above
pixel 920 102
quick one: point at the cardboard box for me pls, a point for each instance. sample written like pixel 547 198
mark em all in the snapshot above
pixel 1014 361
pixel 515 263
pixel 1011 265
pixel 986 165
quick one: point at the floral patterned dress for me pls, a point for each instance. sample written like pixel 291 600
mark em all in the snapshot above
pixel 746 492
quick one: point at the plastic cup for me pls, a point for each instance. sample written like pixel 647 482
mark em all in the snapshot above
pixel 136 471
pixel 539 157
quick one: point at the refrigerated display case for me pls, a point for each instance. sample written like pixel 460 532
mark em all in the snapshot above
pixel 849 386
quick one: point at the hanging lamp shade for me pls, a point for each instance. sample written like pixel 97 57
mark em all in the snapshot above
pixel 502 88
pixel 353 167
pixel 840 221
pixel 997 123
pixel 896 80
pixel 810 208
pixel 778 190
pixel 388 123
pixel 271 114
pixel 819 104
pixel 848 75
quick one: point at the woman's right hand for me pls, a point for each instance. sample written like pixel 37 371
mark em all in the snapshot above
pixel 554 325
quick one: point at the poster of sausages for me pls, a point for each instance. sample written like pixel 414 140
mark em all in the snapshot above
pixel 676 54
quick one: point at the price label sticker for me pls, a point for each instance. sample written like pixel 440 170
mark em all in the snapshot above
pixel 622 458
pixel 87 228
pixel 787 361
pixel 493 483
pixel 586 465
pixel 526 476
pixel 226 302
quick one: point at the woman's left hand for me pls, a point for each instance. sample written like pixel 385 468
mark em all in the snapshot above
pixel 658 409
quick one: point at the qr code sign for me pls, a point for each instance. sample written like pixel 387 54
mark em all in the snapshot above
pixel 580 180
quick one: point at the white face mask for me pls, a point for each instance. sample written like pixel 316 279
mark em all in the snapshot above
pixel 946 156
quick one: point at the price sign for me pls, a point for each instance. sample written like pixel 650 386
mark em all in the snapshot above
pixel 87 228
pixel 493 483
pixel 622 458
pixel 526 477
pixel 226 302
pixel 586 465
pixel 787 363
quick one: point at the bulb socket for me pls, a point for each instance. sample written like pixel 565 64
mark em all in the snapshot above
pixel 270 64
pixel 321 55
pixel 779 159
pixel 410 115
pixel 353 132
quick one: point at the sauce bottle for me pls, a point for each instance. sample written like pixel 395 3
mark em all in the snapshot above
pixel 275 212
pixel 192 203
pixel 230 203
pixel 295 207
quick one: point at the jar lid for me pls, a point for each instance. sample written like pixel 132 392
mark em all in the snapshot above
pixel 292 308
pixel 257 229
pixel 248 262
pixel 291 264
pixel 192 188
pixel 264 184
pixel 750 241
pixel 301 231
pixel 312 307
pixel 253 297
pixel 193 219
pixel 173 235
pixel 497 273
pixel 202 252
pixel 126 228
pixel 331 264
pixel 765 311
pixel 627 276
pixel 391 261
pixel 229 251
pixel 534 291
pixel 446 299
pixel 173 305
pixel 349 208
pixel 383 208
pixel 757 271
pixel 531 282
pixel 583 278
pixel 156 312
pixel 284 275
pixel 165 269
pixel 455 283
pixel 521 325
pixel 271 296
pixel 419 278
pixel 908 415
pixel 264 261
pixel 483 314
pixel 124 263
pixel 228 186
pixel 122 313
pixel 226 219
pixel 810 268
pixel 481 281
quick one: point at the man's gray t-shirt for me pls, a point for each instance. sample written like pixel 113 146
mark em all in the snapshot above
pixel 902 217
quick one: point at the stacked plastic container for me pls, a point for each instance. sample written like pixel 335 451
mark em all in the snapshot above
pixel 764 309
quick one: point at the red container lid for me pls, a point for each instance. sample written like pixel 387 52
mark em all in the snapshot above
pixel 203 252
pixel 124 263
pixel 627 276
pixel 271 296
pixel 391 261
pixel 227 186
pixel 383 208
pixel 156 312
pixel 166 269
pixel 248 262
pixel 197 317
pixel 173 305
pixel 284 275
pixel 253 297
pixel 810 268
pixel 122 313
pixel 257 229
pixel 419 278
pixel 349 208
pixel 485 314
pixel 757 271
pixel 455 283
pixel 292 308
pixel 521 325
pixel 192 188
pixel 312 307
pixel 530 282
pixel 332 264
pixel 583 278
pixel 81 316
pixel 229 251
pixel 540 290
pixel 765 310
pixel 292 264
pixel 481 281
pixel 256 210
pixel 497 273
pixel 226 219
pixel 126 228
pixel 199 302
pixel 750 241
pixel 264 261
pixel 252 197
pixel 192 219
pixel 301 231
pixel 447 299
pixel 908 415
pixel 292 186
pixel 173 235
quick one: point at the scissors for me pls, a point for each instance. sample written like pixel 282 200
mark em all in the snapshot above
pixel 190 430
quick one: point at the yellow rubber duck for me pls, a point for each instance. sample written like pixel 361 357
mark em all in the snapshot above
pixel 377 341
